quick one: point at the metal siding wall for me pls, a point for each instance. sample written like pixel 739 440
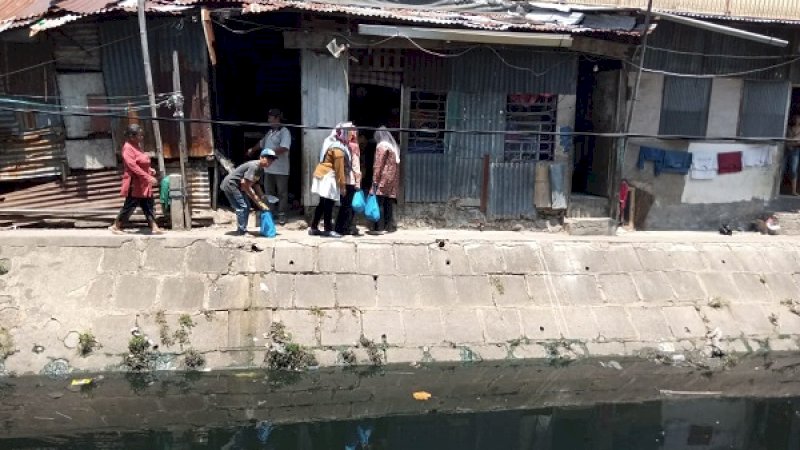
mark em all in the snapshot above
pixel 325 103
pixel 511 187
pixel 482 111
pixel 763 109
pixel 426 72
pixel 685 105
pixel 548 72
pixel 683 38
pixel 426 178
pixel 465 177
pixel 123 71
pixel 76 47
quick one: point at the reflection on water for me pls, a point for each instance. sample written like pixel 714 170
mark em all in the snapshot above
pixel 638 405
pixel 674 424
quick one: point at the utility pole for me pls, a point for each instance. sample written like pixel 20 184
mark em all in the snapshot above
pixel 176 87
pixel 148 78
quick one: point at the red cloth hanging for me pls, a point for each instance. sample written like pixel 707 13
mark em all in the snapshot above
pixel 729 162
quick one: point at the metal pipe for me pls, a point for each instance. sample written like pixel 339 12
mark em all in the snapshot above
pixel 722 29
pixel 148 78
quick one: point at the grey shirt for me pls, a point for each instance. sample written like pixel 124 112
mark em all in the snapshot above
pixel 274 139
pixel 250 171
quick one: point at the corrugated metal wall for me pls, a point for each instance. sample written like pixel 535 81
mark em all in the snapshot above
pixel 76 47
pixel 427 178
pixel 477 86
pixel 684 110
pixel 32 154
pixel 123 71
pixel 536 72
pixel 672 36
pixel 511 188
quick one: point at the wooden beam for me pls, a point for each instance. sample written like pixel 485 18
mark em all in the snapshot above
pixel 208 32
pixel 600 47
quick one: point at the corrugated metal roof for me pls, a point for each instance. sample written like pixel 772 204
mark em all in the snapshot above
pixel 471 14
pixel 520 16
pixel 765 11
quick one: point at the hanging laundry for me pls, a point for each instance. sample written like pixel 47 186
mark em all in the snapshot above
pixel 677 162
pixel 650 154
pixel 704 165
pixel 757 157
pixel 729 162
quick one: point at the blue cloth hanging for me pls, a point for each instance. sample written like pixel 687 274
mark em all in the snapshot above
pixel 676 162
pixel 656 155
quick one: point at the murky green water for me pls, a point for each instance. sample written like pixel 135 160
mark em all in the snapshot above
pixel 523 406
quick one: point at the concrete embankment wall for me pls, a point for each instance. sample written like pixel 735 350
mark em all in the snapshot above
pixel 417 299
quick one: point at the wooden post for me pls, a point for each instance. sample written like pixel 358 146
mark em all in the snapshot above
pixel 148 78
pixel 485 184
pixel 176 86
pixel 176 200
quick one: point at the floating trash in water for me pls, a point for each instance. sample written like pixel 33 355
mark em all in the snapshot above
pixel 81 382
pixel 57 369
pixel 421 395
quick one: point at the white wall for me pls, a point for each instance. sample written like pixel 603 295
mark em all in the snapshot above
pixel 724 106
pixel 749 184
pixel 647 108
pixel 90 153
pixel 73 89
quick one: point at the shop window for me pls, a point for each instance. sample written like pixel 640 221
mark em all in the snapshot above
pixel 427 111
pixel 684 106
pixel 530 113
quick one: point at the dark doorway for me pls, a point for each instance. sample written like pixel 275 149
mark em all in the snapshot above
pixel 595 111
pixel 372 106
pixel 255 73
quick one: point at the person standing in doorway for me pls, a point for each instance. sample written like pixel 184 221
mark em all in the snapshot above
pixel 386 179
pixel 793 150
pixel 138 179
pixel 276 179
pixel 344 220
pixel 243 183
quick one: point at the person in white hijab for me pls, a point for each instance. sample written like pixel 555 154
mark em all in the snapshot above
pixel 386 179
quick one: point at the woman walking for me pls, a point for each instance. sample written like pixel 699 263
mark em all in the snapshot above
pixel 344 220
pixel 138 179
pixel 329 181
pixel 386 177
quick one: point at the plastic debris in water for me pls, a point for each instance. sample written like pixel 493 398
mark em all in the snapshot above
pixel 81 382
pixel 421 395
pixel 263 430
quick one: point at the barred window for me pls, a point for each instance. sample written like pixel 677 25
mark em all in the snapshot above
pixel 530 113
pixel 763 108
pixel 427 110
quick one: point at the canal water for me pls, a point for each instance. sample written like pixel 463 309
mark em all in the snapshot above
pixel 634 405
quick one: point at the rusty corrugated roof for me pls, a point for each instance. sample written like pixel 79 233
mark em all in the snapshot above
pixel 501 15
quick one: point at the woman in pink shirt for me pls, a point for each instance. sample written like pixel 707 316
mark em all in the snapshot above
pixel 137 181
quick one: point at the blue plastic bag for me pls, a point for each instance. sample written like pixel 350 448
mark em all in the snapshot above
pixel 371 210
pixel 358 203
pixel 268 225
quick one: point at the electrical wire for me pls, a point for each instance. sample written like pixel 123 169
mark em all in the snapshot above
pixel 715 75
pixel 713 55
pixel 560 134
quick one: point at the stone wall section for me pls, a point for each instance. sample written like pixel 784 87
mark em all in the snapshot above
pixel 418 300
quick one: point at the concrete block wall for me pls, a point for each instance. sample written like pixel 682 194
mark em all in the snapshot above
pixel 420 300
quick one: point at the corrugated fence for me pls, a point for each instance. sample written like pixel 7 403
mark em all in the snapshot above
pixel 511 187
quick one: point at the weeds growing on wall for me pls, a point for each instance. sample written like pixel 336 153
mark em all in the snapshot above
pixel 140 357
pixel 193 359
pixel 87 343
pixel 283 354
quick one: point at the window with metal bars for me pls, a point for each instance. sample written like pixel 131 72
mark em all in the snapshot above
pixel 427 111
pixel 526 113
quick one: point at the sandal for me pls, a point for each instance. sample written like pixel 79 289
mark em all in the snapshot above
pixel 115 230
